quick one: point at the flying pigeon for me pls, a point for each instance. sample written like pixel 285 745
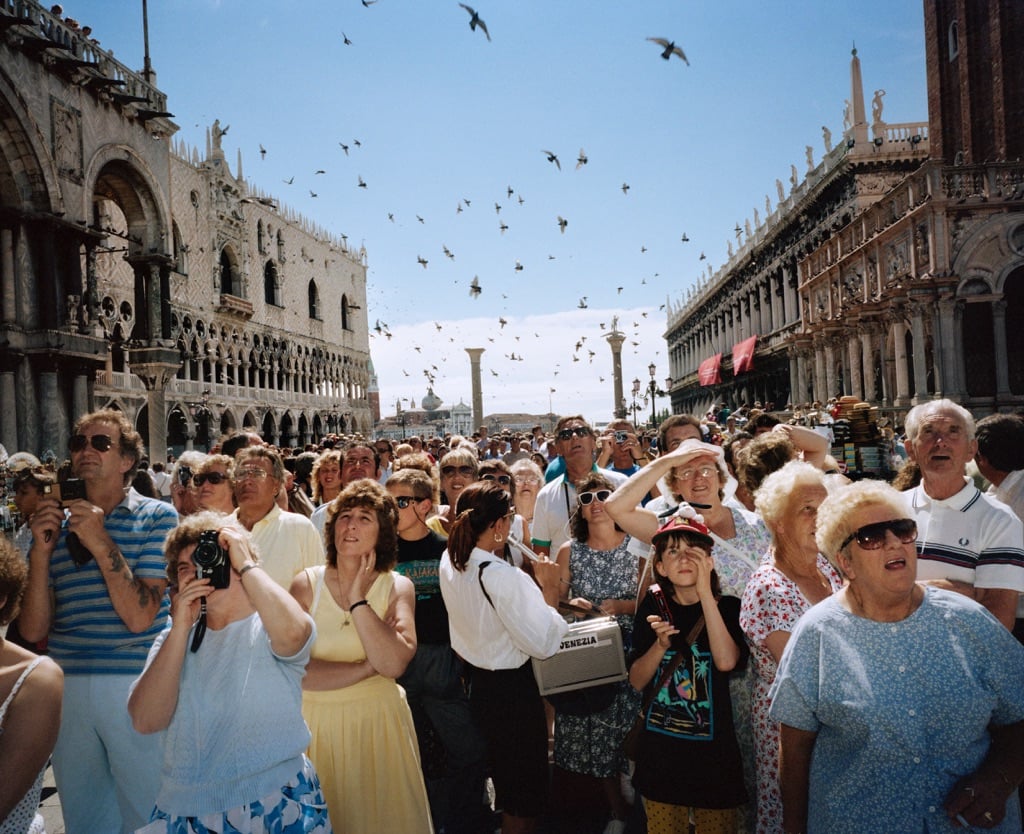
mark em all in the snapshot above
pixel 670 49
pixel 581 160
pixel 474 20
pixel 474 287
pixel 553 158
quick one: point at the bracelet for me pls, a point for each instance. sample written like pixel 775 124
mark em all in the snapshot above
pixel 355 605
pixel 248 566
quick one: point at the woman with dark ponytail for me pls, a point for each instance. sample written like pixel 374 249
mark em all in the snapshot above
pixel 499 618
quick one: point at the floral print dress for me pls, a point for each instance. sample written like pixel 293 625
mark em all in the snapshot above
pixel 772 602
pixel 589 744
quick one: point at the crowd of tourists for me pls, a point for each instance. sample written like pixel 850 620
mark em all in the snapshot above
pixel 341 637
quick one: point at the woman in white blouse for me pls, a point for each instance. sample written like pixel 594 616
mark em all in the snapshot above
pixel 499 618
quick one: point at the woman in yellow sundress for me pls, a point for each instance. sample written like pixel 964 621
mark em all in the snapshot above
pixel 363 740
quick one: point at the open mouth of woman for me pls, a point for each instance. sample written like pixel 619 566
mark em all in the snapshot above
pixel 896 564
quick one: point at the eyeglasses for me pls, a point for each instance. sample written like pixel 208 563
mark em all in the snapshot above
pixel 504 480
pixel 251 473
pixel 100 442
pixel 702 471
pixel 872 536
pixel 464 471
pixel 569 434
pixel 404 501
pixel 526 479
pixel 214 478
pixel 601 495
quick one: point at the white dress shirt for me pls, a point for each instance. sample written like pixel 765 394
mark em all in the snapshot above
pixel 519 625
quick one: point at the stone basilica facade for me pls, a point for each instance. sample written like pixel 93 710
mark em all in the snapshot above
pixel 894 269
pixel 138 273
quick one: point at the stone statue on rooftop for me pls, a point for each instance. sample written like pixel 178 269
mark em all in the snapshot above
pixel 876 106
pixel 809 152
pixel 780 190
pixel 826 134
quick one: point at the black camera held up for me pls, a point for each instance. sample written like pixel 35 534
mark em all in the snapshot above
pixel 212 560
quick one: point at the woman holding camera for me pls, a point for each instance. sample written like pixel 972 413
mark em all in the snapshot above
pixel 363 737
pixel 224 679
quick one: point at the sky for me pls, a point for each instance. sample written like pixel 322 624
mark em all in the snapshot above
pixel 441 124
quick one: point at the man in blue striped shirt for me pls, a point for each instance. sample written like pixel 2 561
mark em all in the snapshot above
pixel 96 588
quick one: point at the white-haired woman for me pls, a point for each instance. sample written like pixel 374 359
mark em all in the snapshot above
pixel 794 577
pixel 901 705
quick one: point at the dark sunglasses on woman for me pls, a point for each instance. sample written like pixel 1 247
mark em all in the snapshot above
pixel 872 536
pixel 214 478
pixel 504 480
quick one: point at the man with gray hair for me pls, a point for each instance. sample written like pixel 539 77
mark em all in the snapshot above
pixel 966 541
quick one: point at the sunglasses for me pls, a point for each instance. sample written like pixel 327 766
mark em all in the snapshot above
pixel 568 434
pixel 504 480
pixel 601 495
pixel 872 536
pixel 100 442
pixel 184 475
pixel 404 501
pixel 214 478
pixel 464 471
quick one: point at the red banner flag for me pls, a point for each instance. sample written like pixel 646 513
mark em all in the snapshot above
pixel 708 373
pixel 743 355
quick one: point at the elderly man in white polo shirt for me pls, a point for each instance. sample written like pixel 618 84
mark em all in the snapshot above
pixel 287 542
pixel 966 541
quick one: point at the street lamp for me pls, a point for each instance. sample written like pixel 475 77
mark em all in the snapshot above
pixel 634 407
pixel 654 391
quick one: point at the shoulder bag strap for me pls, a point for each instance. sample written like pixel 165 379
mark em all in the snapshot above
pixel 698 627
pixel 480 578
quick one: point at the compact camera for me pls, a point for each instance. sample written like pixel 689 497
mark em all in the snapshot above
pixel 212 560
pixel 70 489
pixel 620 437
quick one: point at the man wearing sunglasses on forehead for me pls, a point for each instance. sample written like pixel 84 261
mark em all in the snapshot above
pixel 100 600
pixel 556 502
pixel 966 541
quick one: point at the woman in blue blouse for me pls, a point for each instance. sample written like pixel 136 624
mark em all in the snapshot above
pixel 902 705
pixel 226 685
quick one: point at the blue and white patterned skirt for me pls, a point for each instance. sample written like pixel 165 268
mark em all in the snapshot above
pixel 297 808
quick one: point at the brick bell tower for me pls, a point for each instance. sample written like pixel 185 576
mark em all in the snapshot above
pixel 975 64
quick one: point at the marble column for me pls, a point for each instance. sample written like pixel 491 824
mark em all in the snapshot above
pixel 856 378
pixel 945 357
pixel 868 364
pixel 831 383
pixel 8 414
pixel 920 358
pixel 899 337
pixel 478 394
pixel 999 352
pixel 7 282
pixel 615 340
pixel 819 374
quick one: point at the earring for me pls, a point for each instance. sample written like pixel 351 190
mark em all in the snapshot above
pixel 498 539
